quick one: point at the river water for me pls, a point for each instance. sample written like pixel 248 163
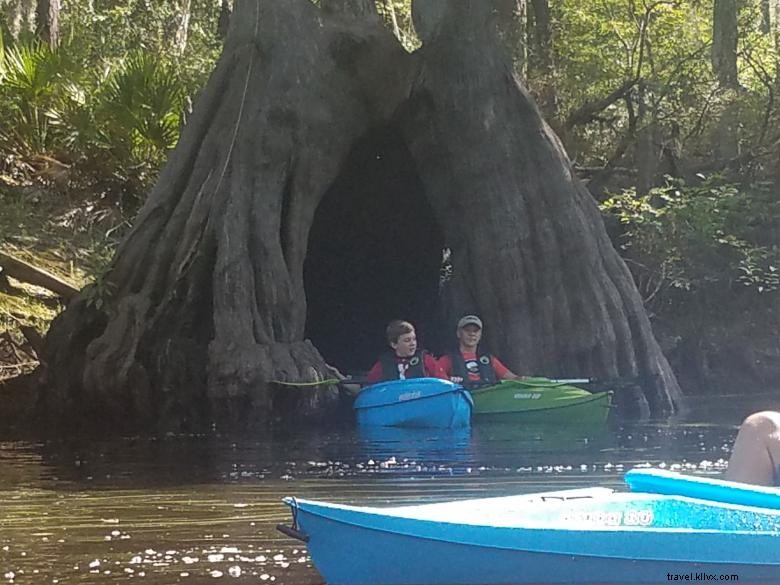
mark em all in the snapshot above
pixel 203 509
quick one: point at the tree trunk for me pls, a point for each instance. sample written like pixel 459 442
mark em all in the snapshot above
pixel 513 20
pixel 183 28
pixel 358 8
pixel 724 42
pixel 529 249
pixel 543 34
pixel 542 57
pixel 647 144
pixel 724 62
pixel 48 22
pixel 776 35
pixel 203 307
pixel 390 8
pixel 223 22
pixel 775 19
pixel 766 16
pixel 20 16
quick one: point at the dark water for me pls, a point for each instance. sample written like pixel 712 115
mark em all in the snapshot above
pixel 202 509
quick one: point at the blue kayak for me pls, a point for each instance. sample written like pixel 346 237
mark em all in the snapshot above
pixel 659 481
pixel 417 402
pixel 576 536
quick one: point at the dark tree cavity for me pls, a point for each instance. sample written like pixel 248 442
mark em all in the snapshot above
pixel 374 255
pixel 204 308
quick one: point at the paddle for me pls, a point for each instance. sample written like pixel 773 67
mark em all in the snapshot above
pixel 572 380
pixel 616 381
pixel 338 379
pixel 537 383
pixel 540 383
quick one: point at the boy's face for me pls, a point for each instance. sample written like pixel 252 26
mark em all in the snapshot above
pixel 406 345
pixel 470 335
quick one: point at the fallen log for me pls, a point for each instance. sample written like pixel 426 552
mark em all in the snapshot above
pixel 25 272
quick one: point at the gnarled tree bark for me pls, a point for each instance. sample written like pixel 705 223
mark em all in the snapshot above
pixel 204 306
pixel 530 252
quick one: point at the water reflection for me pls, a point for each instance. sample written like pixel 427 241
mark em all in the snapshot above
pixel 202 509
pixel 413 450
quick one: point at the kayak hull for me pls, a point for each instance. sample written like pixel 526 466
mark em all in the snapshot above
pixel 658 481
pixel 539 402
pixel 414 403
pixel 617 538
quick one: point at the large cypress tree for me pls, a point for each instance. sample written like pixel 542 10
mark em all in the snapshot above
pixel 204 305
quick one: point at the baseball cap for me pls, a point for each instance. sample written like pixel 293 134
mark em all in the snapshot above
pixel 469 320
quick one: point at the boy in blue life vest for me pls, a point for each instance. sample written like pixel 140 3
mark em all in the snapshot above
pixel 468 365
pixel 404 360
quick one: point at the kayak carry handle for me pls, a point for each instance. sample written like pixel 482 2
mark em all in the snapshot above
pixel 292 532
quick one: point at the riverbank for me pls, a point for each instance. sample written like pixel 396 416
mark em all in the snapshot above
pixel 70 241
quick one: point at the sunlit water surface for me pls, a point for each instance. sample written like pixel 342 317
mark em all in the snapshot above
pixel 203 509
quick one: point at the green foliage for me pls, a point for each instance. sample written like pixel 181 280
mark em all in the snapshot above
pixel 709 241
pixel 145 98
pixel 667 45
pixel 126 124
pixel 100 114
pixel 30 84
pixel 99 292
pixel 402 10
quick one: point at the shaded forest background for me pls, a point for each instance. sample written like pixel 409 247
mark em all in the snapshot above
pixel 667 108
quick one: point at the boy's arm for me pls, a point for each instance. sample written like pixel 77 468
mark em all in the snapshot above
pixel 445 363
pixel 433 368
pixel 502 372
pixel 375 373
pixel 344 380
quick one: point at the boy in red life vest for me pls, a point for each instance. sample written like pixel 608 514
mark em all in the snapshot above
pixel 405 360
pixel 468 365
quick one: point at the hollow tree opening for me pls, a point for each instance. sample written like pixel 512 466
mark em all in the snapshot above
pixel 374 255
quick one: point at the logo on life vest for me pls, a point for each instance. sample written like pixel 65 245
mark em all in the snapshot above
pixel 414 361
pixel 484 360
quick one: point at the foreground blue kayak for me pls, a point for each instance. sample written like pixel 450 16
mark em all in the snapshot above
pixel 659 481
pixel 417 402
pixel 576 536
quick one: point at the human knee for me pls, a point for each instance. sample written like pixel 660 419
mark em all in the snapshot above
pixel 767 421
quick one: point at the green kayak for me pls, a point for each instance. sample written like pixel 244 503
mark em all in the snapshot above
pixel 542 400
